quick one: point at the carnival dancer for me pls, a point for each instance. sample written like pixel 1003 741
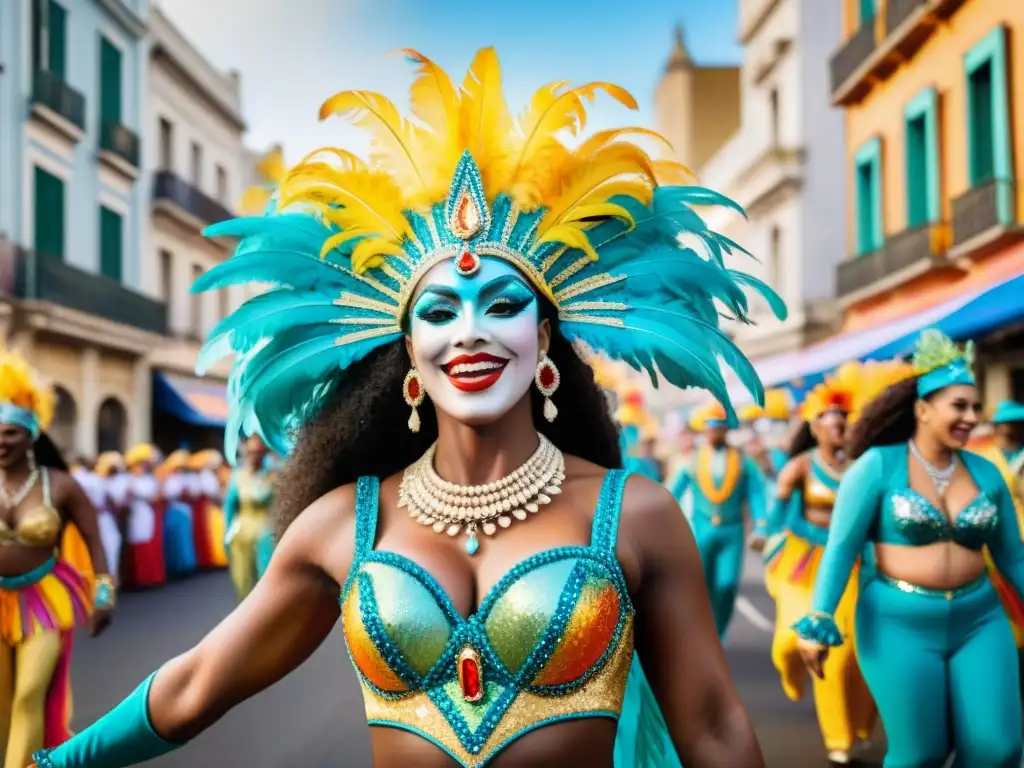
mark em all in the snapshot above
pixel 638 431
pixel 723 483
pixel 178 491
pixel 933 640
pixel 209 495
pixel 249 533
pixel 44 515
pixel 802 511
pixel 118 486
pixel 109 508
pixel 144 558
pixel 434 339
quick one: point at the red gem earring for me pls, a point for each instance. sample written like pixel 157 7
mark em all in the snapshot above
pixel 412 391
pixel 547 380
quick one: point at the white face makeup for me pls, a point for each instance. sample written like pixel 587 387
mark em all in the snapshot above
pixel 475 340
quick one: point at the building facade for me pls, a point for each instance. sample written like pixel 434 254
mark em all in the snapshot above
pixel 200 168
pixel 784 167
pixel 934 164
pixel 73 211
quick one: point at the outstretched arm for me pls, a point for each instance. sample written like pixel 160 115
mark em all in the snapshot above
pixel 677 641
pixel 286 617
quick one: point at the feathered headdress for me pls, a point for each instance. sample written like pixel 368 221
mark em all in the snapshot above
pixel 585 220
pixel 141 454
pixel 778 404
pixel 750 413
pixel 270 171
pixel 710 414
pixel 939 362
pixel 25 400
pixel 107 462
pixel 852 387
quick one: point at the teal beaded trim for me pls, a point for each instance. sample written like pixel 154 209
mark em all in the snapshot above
pixel 945 594
pixel 609 509
pixel 819 628
pixel 42 758
pixel 821 474
pixel 367 500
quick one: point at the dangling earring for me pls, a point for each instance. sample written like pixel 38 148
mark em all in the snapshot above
pixel 547 380
pixel 412 391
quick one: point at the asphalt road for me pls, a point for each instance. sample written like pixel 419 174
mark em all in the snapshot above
pixel 314 718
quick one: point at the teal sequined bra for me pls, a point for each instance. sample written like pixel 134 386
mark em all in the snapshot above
pixel 918 521
pixel 551 641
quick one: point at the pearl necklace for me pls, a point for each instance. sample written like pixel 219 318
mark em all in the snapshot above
pixel 12 500
pixel 940 477
pixel 451 508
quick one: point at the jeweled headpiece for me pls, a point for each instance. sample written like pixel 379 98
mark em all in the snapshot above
pixel 940 363
pixel 585 220
pixel 25 400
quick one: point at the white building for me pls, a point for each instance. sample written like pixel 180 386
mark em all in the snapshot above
pixel 195 122
pixel 785 167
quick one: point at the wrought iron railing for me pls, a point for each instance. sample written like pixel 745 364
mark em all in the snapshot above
pixel 120 140
pixel 851 55
pixel 984 207
pixel 170 188
pixel 52 92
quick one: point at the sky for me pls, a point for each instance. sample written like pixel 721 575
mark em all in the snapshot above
pixel 293 54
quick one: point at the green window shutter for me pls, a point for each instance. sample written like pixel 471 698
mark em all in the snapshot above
pixel 111 244
pixel 49 214
pixel 110 81
pixel 924 201
pixel 867 11
pixel 57 39
pixel 988 121
pixel 868 197
pixel 38 30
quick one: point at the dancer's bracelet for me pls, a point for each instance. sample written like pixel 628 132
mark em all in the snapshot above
pixel 105 593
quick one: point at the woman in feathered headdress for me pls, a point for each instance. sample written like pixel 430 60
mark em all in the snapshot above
pixel 638 431
pixel 53 570
pixel 144 562
pixel 416 365
pixel 724 486
pixel 248 529
pixel 800 518
pixel 177 488
pixel 208 526
pixel 933 640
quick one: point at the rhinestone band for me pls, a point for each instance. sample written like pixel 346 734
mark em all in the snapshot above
pixel 451 508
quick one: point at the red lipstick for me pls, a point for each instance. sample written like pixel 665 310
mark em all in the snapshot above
pixel 474 373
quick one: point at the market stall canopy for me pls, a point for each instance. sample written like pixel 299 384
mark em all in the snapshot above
pixel 195 401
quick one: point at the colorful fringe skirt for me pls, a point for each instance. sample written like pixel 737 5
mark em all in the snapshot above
pixel 55 597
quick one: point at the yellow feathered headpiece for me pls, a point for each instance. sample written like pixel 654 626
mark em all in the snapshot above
pixel 271 172
pixel 108 462
pixel 144 453
pixel 852 387
pixel 778 404
pixel 175 461
pixel 750 413
pixel 208 458
pixel 24 399
pixel 712 412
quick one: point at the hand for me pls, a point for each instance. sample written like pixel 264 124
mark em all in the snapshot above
pixel 756 541
pixel 814 656
pixel 100 620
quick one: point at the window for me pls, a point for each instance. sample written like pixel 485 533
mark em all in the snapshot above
pixel 197 165
pixel 49 214
pixel 166 144
pixel 110 81
pixel 111 243
pixel 867 11
pixel 166 275
pixel 222 184
pixel 868 197
pixel 923 199
pixel 773 104
pixel 988 122
pixel 50 37
pixel 196 321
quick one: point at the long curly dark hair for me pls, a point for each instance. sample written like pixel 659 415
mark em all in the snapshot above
pixel 361 428
pixel 802 441
pixel 887 420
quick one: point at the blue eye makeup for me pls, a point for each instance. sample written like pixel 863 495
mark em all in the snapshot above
pixel 435 309
pixel 506 296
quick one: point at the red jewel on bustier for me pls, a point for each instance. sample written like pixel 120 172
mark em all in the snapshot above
pixel 470 675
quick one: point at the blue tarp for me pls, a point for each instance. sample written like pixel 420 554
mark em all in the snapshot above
pixel 194 401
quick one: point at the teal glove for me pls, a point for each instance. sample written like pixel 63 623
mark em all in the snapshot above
pixel 122 737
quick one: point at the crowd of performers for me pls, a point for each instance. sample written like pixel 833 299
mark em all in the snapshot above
pixel 888 510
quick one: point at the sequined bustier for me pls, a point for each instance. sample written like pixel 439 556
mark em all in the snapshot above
pixel 553 640
pixel 909 518
pixel 39 526
pixel 820 486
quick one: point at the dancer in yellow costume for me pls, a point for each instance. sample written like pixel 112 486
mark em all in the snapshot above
pixel 799 520
pixel 50 540
pixel 249 534
pixel 1005 449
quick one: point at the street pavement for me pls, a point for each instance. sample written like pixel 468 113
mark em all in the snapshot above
pixel 314 718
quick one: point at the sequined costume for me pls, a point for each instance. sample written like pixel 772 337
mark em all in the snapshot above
pixel 594 227
pixel 249 534
pixel 941 665
pixel 40 609
pixel 723 484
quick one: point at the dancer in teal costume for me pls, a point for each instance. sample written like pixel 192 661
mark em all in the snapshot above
pixel 934 643
pixel 415 359
pixel 630 441
pixel 724 483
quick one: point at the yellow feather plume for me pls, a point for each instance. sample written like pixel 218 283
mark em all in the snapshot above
pixel 254 201
pixel 21 386
pixel 486 123
pixel 271 168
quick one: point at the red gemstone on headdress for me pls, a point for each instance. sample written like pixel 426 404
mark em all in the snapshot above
pixel 467 263
pixel 469 678
pixel 547 376
pixel 414 388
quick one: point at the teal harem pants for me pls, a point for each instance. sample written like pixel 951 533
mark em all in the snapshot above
pixel 943 669
pixel 721 553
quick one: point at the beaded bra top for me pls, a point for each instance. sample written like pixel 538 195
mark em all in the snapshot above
pixel 552 640
pixel 40 526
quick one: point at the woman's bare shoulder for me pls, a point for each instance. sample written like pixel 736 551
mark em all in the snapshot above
pixel 324 532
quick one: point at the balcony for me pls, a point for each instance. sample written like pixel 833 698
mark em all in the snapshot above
pixel 984 218
pixel 903 257
pixel 119 147
pixel 183 202
pixel 37 277
pixel 905 26
pixel 775 170
pixel 58 104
